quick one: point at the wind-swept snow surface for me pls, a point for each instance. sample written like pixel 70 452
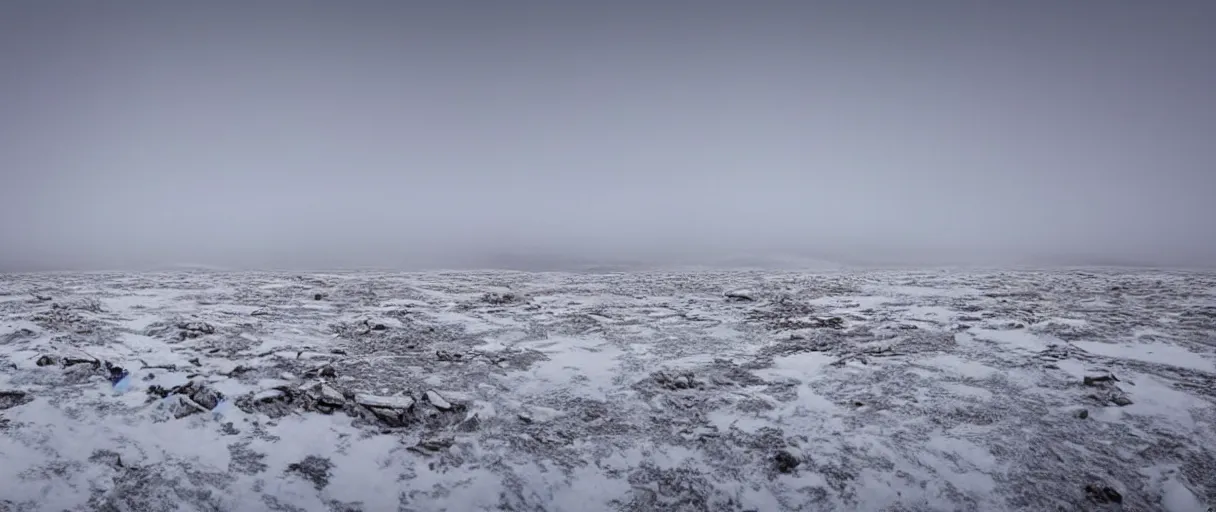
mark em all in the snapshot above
pixel 655 391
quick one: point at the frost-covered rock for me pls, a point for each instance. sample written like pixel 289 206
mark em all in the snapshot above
pixel 740 295
pixel 400 402
pixel 675 381
pixel 189 398
pixel 437 400
pixel 785 461
pixel 393 411
pixel 503 298
pixel 14 398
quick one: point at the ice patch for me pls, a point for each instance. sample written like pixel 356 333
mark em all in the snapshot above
pixel 1016 338
pixel 1159 353
pixel 958 366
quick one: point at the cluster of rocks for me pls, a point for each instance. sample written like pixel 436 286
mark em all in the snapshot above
pixel 181 330
pixel 83 368
pixel 88 304
pixel 721 373
pixel 1105 390
pixel 190 398
pixel 63 319
pixel 503 298
pixel 321 396
pixel 192 330
pixel 677 381
pixel 790 315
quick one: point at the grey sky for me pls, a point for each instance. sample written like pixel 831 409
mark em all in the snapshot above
pixel 278 134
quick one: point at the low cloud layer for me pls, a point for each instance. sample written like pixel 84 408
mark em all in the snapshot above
pixel 298 135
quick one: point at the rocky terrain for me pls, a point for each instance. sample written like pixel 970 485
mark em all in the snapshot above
pixel 732 391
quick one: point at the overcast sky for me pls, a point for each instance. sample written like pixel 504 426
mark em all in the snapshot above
pixel 392 133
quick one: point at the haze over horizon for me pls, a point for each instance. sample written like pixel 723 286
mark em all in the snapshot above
pixel 136 134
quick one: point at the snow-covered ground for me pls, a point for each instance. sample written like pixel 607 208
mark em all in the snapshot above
pixel 935 390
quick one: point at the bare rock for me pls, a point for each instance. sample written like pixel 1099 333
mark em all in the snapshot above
pixel 191 330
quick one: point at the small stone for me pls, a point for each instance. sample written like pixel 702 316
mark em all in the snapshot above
pixel 1091 380
pixel 260 312
pixel 318 296
pixel 47 360
pixel 1082 414
pixel 379 327
pixel 1121 401
pixel 785 461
